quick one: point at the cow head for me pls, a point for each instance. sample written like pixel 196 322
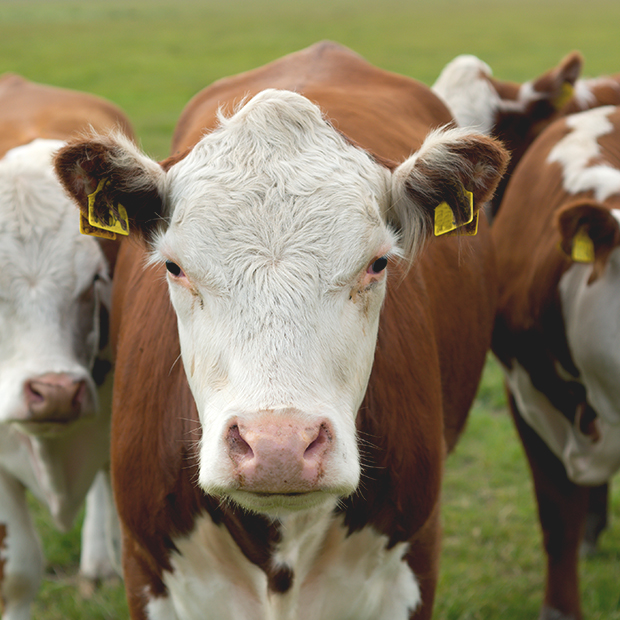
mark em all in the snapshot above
pixel 51 281
pixel 589 290
pixel 277 234
pixel 515 113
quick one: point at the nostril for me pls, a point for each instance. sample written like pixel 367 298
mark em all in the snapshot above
pixel 32 394
pixel 237 445
pixel 320 443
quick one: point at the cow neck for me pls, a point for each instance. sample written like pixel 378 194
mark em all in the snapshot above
pixel 542 348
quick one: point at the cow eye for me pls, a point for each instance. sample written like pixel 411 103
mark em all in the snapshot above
pixel 174 269
pixel 379 265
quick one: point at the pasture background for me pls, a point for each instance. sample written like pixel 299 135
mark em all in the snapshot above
pixel 151 56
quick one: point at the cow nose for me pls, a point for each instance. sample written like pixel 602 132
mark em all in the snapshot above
pixel 279 454
pixel 55 397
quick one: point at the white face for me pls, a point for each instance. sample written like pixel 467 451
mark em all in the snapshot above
pixel 592 317
pixel 48 322
pixel 274 230
pixel 277 280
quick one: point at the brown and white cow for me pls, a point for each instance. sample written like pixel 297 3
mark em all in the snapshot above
pixel 270 473
pixel 55 402
pixel 557 237
pixel 514 113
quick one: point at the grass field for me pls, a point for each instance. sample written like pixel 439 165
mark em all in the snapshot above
pixel 151 56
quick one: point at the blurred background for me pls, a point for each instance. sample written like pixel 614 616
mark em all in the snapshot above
pixel 151 56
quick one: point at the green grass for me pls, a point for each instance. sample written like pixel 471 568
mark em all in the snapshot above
pixel 492 562
pixel 151 56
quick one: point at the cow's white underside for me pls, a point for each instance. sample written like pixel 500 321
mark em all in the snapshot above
pixel 335 577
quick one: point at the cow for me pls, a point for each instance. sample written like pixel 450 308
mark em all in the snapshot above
pixel 55 295
pixel 514 113
pixel 263 466
pixel 557 236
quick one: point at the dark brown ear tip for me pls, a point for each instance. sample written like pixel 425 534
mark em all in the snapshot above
pixel 572 64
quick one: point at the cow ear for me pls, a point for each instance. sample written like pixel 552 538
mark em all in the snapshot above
pixel 454 169
pixel 115 185
pixel 557 85
pixel 588 234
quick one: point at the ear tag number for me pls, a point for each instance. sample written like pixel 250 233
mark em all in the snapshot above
pixel 445 222
pixel 583 247
pixel 116 220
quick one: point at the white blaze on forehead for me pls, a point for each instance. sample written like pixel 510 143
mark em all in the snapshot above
pixel 464 86
pixel 579 148
pixel 29 192
pixel 280 176
pixel 273 212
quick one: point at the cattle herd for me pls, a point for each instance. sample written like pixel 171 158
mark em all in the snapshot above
pixel 297 307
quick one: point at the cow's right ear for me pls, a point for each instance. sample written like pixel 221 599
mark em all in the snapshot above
pixel 109 176
pixel 557 85
pixel 588 234
pixel 455 171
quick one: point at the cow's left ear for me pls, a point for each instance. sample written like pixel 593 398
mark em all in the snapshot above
pixel 588 234
pixel 117 188
pixel 454 168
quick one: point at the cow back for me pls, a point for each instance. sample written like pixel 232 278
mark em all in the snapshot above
pixel 29 110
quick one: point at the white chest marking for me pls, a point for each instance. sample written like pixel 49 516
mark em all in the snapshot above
pixel 587 462
pixel 335 577
pixel 576 151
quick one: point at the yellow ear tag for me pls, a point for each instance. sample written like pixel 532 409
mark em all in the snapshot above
pixel 566 93
pixel 87 229
pixel 468 230
pixel 114 223
pixel 444 218
pixel 583 247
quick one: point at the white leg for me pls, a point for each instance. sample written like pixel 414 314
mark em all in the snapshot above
pixel 21 558
pixel 100 556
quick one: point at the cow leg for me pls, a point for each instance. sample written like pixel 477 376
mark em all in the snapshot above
pixel 21 558
pixel 562 508
pixel 423 558
pixel 100 557
pixel 596 521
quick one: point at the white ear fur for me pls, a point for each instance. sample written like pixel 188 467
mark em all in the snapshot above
pixel 448 162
